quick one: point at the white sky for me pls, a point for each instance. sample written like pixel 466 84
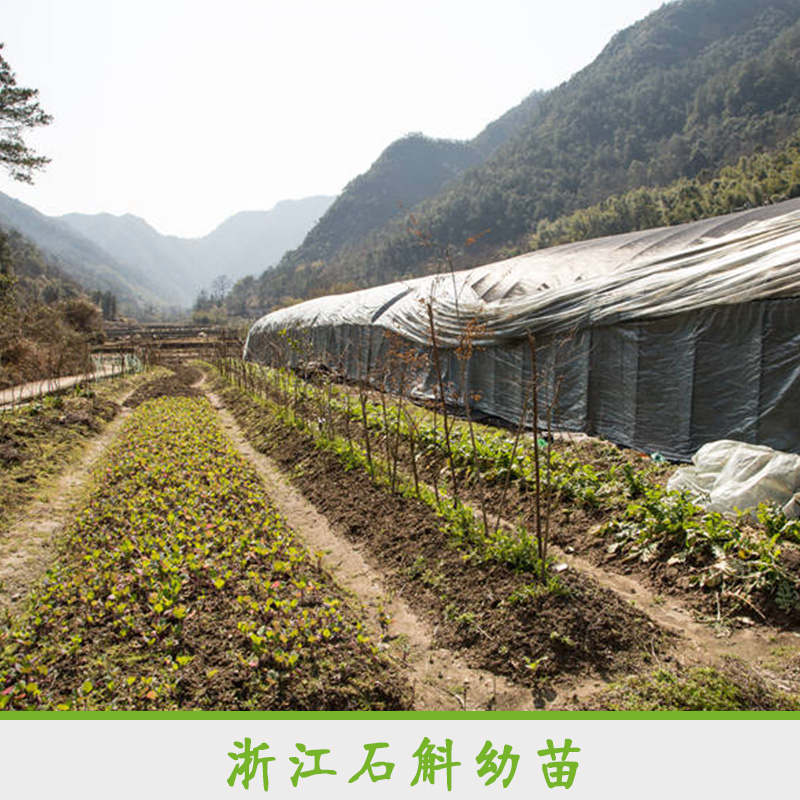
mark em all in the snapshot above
pixel 184 112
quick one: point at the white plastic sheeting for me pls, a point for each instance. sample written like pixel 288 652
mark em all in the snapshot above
pixel 728 476
pixel 661 340
pixel 631 276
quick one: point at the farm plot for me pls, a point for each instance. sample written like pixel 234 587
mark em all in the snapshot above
pixel 482 583
pixel 595 499
pixel 38 440
pixel 482 592
pixel 179 586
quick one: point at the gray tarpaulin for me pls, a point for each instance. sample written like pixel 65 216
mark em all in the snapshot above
pixel 661 340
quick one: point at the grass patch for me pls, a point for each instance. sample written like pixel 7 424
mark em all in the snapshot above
pixel 731 687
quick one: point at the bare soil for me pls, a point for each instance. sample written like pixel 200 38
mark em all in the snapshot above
pixel 169 386
pixel 439 677
pixel 686 629
pixel 26 547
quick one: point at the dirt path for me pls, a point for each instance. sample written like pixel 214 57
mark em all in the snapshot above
pixel 26 549
pixel 699 640
pixel 440 678
pixel 696 642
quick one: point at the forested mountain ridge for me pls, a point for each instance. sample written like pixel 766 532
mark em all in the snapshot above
pixel 691 88
pixel 767 176
pixel 131 241
pixel 408 171
pixel 258 237
pixel 149 272
pixel 36 279
pixel 47 321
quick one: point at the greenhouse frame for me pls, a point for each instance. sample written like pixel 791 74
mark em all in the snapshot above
pixel 660 340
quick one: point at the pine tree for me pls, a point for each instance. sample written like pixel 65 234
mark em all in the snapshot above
pixel 19 111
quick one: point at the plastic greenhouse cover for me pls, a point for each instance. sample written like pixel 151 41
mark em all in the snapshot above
pixel 733 259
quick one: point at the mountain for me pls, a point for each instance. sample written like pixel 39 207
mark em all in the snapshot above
pixel 695 86
pixel 131 242
pixel 408 171
pixel 36 278
pixel 149 272
pixel 81 259
pixel 246 243
pixel 251 241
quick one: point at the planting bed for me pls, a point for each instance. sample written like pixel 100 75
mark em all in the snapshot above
pixel 592 498
pixel 39 439
pixel 597 504
pixel 542 560
pixel 483 597
pixel 178 383
pixel 180 586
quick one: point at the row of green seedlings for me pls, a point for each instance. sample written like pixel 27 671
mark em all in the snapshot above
pixel 477 456
pixel 373 434
pixel 474 456
pixel 734 557
pixel 178 527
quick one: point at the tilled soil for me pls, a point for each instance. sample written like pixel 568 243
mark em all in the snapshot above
pixel 439 677
pixel 536 639
pixel 576 528
pixel 560 644
pixel 341 675
pixel 169 386
pixel 580 534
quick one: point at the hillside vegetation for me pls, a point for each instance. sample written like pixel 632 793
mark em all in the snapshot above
pixel 80 259
pixel 151 274
pixel 46 320
pixel 764 177
pixel 670 102
pixel 409 171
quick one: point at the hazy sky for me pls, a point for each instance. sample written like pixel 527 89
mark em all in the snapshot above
pixel 185 112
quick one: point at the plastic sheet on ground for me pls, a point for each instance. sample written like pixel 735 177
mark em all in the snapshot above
pixel 728 476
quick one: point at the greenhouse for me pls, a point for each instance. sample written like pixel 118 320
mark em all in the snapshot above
pixel 661 340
